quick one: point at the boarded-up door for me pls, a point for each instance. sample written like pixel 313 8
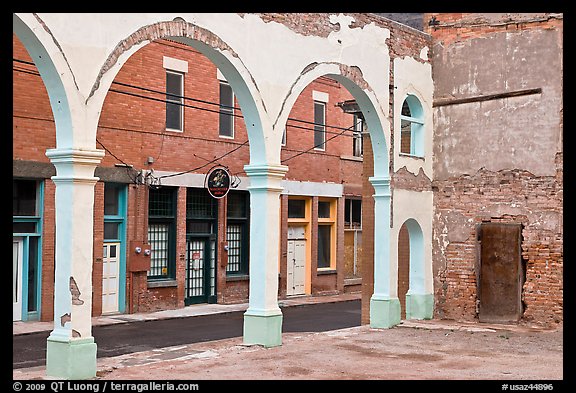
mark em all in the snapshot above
pixel 501 273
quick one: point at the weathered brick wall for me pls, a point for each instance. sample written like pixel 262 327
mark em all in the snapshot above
pixel 513 172
pixel 463 202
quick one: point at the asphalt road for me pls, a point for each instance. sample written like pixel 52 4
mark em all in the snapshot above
pixel 29 350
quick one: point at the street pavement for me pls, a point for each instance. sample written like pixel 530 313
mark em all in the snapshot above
pixel 431 349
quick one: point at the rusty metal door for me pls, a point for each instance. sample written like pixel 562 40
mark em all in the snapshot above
pixel 501 273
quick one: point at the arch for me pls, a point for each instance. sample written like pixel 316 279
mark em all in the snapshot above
pixel 416 241
pixel 54 72
pixel 224 57
pixel 351 78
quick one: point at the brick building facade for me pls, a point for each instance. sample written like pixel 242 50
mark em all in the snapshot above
pixel 472 183
pixel 132 130
pixel 498 159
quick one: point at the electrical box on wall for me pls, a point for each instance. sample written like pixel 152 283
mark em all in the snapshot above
pixel 139 257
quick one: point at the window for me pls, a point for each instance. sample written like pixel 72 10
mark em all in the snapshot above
pixel 237 232
pixel 284 137
pixel 174 101
pixel 161 232
pixel 326 233
pixel 353 213
pixel 26 228
pixel 411 127
pixel 319 125
pixel 226 110
pixel 324 246
pixel 296 208
pixel 357 148
pixel 113 211
pixel 24 198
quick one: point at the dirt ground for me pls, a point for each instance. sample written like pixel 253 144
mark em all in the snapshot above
pixel 417 351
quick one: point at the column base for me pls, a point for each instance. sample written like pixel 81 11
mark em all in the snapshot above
pixel 263 330
pixel 384 313
pixel 419 306
pixel 71 359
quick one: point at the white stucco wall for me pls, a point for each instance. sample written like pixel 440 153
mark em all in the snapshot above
pixel 415 78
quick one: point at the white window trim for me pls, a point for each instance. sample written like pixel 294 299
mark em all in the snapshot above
pixel 173 64
pixel 170 71
pixel 323 148
pixel 223 81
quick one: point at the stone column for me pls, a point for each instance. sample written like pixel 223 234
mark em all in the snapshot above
pixel 384 309
pixel 71 350
pixel 263 318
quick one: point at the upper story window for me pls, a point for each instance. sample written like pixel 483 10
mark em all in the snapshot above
pixel 174 101
pixel 319 125
pixel 226 129
pixel 412 127
pixel 175 71
pixel 357 147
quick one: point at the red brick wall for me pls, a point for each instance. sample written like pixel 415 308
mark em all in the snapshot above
pixel 133 129
pixel 48 252
pixel 536 201
pixel 509 196
pixel 403 267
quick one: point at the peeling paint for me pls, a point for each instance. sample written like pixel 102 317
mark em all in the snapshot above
pixel 65 319
pixel 75 293
pixel 76 333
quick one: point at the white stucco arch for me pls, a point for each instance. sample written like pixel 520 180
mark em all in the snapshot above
pixel 374 110
pixel 79 55
pixel 411 208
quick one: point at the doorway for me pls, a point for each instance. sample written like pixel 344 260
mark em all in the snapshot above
pixel 296 260
pixel 17 282
pixel 502 274
pixel 110 278
pixel 200 270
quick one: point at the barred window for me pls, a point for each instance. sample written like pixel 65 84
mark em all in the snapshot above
pixel 162 232
pixel 237 232
pixel 234 239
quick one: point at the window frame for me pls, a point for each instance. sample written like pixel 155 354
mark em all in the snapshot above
pixel 416 122
pixel 327 222
pixel 357 142
pixel 244 223
pixel 320 128
pixel 170 222
pixel 226 110
pixel 170 99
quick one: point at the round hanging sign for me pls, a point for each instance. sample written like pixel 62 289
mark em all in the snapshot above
pixel 218 182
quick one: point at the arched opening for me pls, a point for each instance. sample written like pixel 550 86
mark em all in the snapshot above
pixel 416 297
pixel 403 267
pixel 322 226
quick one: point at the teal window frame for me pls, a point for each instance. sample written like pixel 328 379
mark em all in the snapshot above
pixel 416 121
pixel 120 219
pixel 243 223
pixel 170 221
pixel 37 219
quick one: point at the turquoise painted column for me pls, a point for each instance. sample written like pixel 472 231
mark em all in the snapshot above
pixel 384 308
pixel 263 318
pixel 71 350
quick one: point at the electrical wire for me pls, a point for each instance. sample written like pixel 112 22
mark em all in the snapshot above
pixel 300 152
